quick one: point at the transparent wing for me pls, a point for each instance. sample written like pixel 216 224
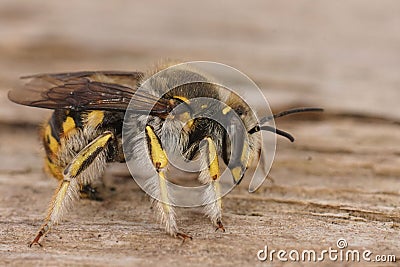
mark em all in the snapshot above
pixel 101 90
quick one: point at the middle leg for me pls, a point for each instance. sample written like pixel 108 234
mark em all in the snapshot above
pixel 210 176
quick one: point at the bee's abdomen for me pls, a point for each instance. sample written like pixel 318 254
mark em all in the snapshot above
pixel 61 125
pixel 67 132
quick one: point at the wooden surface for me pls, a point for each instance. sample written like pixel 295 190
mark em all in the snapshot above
pixel 340 179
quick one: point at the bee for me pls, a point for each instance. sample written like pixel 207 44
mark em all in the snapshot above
pixel 85 132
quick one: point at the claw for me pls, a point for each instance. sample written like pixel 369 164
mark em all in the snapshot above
pixel 36 240
pixel 183 236
pixel 220 226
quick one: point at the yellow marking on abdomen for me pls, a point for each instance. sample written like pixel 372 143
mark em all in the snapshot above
pixel 68 125
pixel 95 118
pixel 158 155
pixel 53 169
pixel 50 140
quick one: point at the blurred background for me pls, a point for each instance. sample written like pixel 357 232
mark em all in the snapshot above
pixel 343 56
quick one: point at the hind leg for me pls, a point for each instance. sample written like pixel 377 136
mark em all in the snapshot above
pixel 90 158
